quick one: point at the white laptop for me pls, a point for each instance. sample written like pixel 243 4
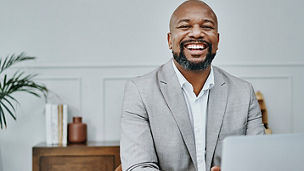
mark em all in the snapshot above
pixel 280 152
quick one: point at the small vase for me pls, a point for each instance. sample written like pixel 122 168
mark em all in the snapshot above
pixel 77 131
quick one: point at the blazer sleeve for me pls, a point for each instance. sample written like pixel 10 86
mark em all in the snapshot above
pixel 136 144
pixel 254 123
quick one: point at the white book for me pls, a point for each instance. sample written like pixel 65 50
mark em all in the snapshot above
pixel 54 124
pixel 48 113
pixel 65 125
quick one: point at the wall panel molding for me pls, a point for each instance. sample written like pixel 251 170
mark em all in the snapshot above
pixel 108 78
pixel 94 65
pixel 66 78
pixel 289 102
pixel 104 80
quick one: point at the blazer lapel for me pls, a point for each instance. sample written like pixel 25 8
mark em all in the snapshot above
pixel 174 98
pixel 216 109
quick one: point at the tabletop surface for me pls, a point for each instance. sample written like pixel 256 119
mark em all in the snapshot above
pixel 87 144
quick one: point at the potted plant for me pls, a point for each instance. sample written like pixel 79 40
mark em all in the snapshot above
pixel 19 81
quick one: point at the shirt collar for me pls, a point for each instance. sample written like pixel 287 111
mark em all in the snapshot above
pixel 182 80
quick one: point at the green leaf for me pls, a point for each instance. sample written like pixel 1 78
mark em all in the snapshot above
pixel 11 97
pixel 30 91
pixel 18 82
pixel 3 117
pixel 4 63
pixel 12 106
pixel 12 59
pixel 7 109
pixel 4 80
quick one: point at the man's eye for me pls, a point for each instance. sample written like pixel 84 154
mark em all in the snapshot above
pixel 207 27
pixel 183 26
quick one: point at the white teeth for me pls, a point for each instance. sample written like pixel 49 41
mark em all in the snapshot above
pixel 193 46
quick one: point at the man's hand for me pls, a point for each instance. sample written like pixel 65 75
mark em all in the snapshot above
pixel 215 168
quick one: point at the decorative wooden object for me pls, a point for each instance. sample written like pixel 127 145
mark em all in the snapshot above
pixel 77 131
pixel 93 156
pixel 261 101
pixel 118 168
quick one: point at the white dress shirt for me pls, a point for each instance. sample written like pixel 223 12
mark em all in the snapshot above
pixel 197 107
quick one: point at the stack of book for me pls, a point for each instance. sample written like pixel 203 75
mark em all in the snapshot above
pixel 56 117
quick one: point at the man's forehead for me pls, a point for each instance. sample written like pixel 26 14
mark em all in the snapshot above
pixel 189 13
pixel 192 7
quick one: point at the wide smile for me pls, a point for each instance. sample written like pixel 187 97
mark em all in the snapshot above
pixel 196 49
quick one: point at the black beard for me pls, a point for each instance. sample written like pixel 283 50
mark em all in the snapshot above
pixel 191 66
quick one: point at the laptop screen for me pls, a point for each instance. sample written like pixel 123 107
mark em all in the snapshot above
pixel 280 152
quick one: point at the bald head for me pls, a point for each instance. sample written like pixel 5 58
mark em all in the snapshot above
pixel 189 5
pixel 193 36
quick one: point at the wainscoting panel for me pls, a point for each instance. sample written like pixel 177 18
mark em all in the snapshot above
pixel 96 92
pixel 66 90
pixel 29 129
pixel 113 90
pixel 277 93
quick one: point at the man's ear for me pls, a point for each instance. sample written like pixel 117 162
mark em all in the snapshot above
pixel 218 37
pixel 218 40
pixel 169 40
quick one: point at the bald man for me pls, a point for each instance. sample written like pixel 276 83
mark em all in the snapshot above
pixel 176 117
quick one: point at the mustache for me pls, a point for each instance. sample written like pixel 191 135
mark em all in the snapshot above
pixel 182 44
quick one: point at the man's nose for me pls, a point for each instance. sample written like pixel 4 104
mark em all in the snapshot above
pixel 196 32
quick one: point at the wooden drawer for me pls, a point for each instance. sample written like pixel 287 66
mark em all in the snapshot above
pixel 89 157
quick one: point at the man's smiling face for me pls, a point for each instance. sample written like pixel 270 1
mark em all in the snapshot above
pixel 193 35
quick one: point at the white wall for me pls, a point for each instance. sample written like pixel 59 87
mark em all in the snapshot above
pixel 87 49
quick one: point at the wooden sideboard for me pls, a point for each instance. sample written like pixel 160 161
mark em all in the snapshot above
pixel 93 156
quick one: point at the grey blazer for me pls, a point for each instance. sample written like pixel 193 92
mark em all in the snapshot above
pixel 156 133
